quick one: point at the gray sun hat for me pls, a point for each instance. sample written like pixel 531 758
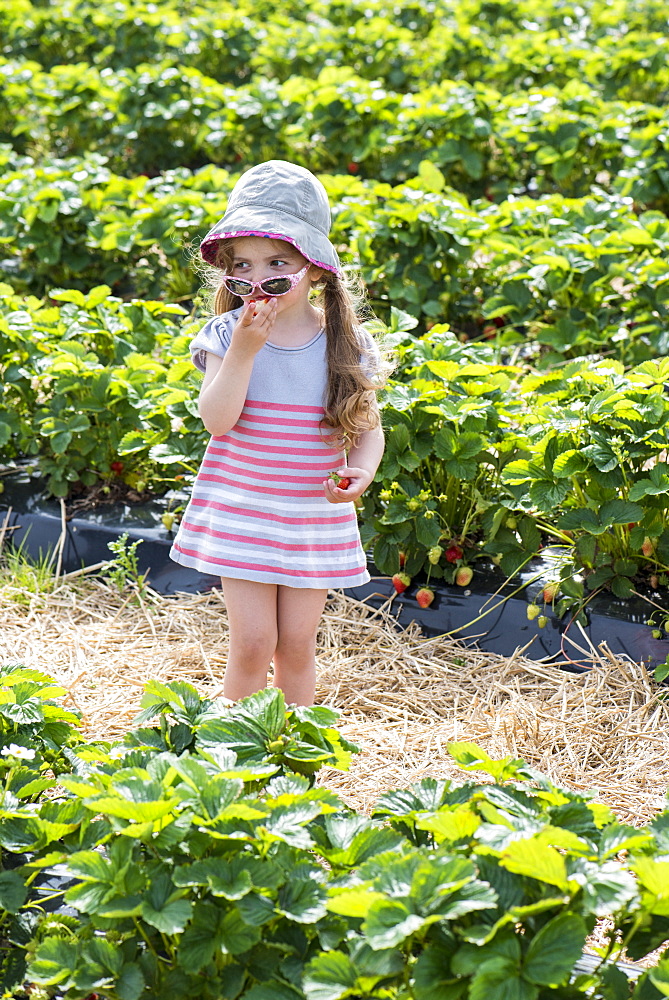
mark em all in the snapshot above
pixel 282 201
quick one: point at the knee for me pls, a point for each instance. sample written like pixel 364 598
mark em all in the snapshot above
pixel 255 645
pixel 297 642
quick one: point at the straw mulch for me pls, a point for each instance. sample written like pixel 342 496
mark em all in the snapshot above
pixel 402 698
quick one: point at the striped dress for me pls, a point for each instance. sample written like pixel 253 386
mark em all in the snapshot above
pixel 257 509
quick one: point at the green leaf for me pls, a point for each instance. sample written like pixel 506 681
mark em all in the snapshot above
pixel 569 463
pixel 170 918
pixel 266 708
pixel 455 824
pixel 657 483
pixel 431 176
pixel 536 860
pixel 432 979
pixel 222 880
pixel 499 979
pixel 547 494
pixel 272 989
pixel 130 983
pixel 137 812
pixel 608 888
pixel 353 902
pixel 389 923
pixel 620 512
pixel 236 936
pixel 659 976
pixel 428 531
pixel 329 976
pixel 199 941
pixel 302 901
pixel 55 961
pixel 471 757
pixel 13 892
pixel 554 950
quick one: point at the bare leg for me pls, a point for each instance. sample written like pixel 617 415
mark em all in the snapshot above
pixel 298 615
pixel 252 618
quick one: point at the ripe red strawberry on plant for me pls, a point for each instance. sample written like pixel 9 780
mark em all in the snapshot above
pixel 424 597
pixel 400 582
pixel 117 468
pixel 453 553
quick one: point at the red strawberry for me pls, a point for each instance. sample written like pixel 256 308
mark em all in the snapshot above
pixel 117 468
pixel 343 482
pixel 400 582
pixel 464 575
pixel 353 167
pixel 453 553
pixel 424 597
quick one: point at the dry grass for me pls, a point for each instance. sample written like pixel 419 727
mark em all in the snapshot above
pixel 402 697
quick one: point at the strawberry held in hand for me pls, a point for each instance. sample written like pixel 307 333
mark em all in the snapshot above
pixel 343 482
pixel 424 597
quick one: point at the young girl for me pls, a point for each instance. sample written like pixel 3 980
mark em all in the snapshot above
pixel 289 388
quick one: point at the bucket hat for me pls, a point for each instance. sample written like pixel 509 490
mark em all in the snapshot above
pixel 282 201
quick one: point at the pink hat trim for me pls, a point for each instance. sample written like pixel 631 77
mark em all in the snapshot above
pixel 271 236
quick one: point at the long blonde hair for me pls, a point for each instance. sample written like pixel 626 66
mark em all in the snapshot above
pixel 356 367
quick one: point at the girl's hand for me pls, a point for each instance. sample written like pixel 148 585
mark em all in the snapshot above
pixel 359 480
pixel 254 325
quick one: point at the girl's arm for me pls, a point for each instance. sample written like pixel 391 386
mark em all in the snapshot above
pixel 363 461
pixel 226 379
pixel 223 392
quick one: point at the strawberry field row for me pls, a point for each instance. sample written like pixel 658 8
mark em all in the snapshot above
pixel 484 459
pixel 497 171
pixel 195 858
pixel 561 277
pixel 150 118
pixel 618 48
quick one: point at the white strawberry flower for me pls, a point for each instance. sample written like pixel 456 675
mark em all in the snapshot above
pixel 22 753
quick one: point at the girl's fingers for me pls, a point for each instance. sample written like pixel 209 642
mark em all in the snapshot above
pixel 260 311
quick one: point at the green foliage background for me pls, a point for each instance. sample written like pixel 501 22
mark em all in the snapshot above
pixel 498 173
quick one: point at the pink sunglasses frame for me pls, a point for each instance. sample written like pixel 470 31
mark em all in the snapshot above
pixel 293 278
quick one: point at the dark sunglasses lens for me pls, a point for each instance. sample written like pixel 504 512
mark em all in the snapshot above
pixel 238 286
pixel 276 286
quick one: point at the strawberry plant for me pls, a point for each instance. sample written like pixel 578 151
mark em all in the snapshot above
pixel 449 432
pixel 599 468
pixel 197 859
pixel 87 394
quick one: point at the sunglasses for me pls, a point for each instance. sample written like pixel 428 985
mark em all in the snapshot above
pixel 269 286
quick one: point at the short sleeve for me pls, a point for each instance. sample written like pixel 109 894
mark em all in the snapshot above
pixel 213 338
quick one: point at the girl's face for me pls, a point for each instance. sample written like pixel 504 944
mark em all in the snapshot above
pixel 256 258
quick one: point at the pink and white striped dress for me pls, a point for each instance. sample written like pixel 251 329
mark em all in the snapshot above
pixel 257 510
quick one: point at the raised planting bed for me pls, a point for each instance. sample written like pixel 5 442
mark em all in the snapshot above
pixel 491 611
